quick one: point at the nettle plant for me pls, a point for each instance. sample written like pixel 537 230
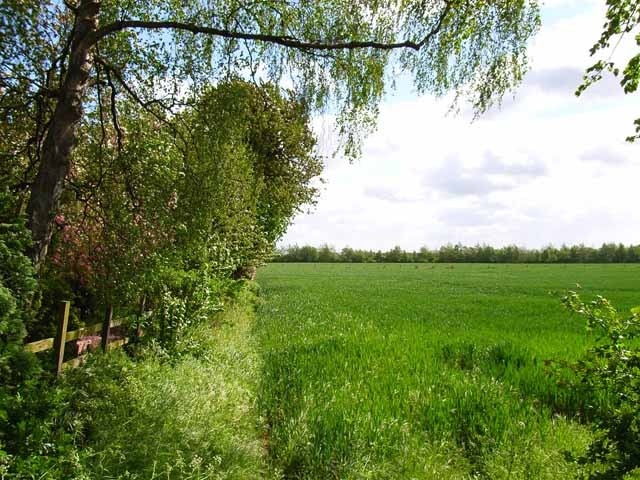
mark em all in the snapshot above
pixel 610 368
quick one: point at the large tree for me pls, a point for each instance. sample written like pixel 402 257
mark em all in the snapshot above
pixel 156 209
pixel 58 60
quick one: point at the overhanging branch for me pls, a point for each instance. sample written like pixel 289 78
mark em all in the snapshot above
pixel 146 105
pixel 282 40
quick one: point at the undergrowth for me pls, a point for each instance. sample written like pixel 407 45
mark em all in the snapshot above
pixel 188 415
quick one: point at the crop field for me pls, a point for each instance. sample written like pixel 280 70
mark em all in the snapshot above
pixel 438 371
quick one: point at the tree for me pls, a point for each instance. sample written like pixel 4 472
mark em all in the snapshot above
pixel 622 17
pixel 154 216
pixel 61 61
pixel 248 168
pixel 327 254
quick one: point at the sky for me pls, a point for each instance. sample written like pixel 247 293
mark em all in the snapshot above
pixel 545 168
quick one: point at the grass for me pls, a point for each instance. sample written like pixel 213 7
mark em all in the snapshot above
pixel 425 371
pixel 343 372
pixel 192 416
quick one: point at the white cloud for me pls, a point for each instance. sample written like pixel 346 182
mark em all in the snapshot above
pixel 384 193
pixel 547 167
pixel 605 155
pixel 455 178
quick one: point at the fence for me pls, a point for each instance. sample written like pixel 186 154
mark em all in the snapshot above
pixel 85 337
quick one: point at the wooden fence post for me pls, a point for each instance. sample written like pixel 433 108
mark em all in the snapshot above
pixel 61 335
pixel 143 302
pixel 106 327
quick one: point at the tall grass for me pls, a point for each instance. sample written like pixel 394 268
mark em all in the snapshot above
pixel 393 371
pixel 192 416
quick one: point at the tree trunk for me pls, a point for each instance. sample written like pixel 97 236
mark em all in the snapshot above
pixel 55 158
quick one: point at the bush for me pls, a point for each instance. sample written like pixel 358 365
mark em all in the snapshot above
pixel 181 299
pixel 611 367
pixel 17 287
pixel 189 413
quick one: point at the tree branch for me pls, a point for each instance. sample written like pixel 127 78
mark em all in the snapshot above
pixel 146 105
pixel 114 112
pixel 103 129
pixel 281 40
pixel 120 78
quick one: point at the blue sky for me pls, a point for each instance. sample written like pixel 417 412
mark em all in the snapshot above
pixel 546 168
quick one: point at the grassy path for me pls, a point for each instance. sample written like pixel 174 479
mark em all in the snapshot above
pixel 192 416
pixel 404 371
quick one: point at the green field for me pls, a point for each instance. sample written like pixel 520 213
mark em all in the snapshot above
pixel 425 371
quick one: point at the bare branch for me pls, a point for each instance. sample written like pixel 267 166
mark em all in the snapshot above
pixel 103 129
pixel 114 111
pixel 146 105
pixel 132 93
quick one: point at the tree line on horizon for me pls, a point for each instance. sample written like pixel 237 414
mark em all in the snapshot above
pixel 458 253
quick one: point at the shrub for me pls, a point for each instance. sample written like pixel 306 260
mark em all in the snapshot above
pixel 181 299
pixel 17 287
pixel 612 367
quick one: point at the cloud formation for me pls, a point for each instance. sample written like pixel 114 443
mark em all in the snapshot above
pixel 494 174
pixel 387 194
pixel 494 164
pixel 562 80
pixel 470 216
pixel 547 168
pixel 604 155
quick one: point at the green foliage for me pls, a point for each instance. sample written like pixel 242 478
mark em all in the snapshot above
pixel 607 253
pixel 241 188
pixel 17 288
pixel 39 438
pixel 476 48
pixel 16 273
pixel 151 416
pixel 31 440
pixel 611 366
pixel 172 212
pixel 181 300
pixel 622 17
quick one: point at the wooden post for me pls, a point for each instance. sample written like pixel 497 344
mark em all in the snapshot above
pixel 106 327
pixel 143 301
pixel 61 335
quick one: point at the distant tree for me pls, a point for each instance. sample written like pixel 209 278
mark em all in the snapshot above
pixel 347 254
pixel 607 252
pixel 484 254
pixel 633 254
pixel 327 254
pixel 308 254
pixel 424 255
pixel 395 255
pixel 548 255
pixel 620 254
